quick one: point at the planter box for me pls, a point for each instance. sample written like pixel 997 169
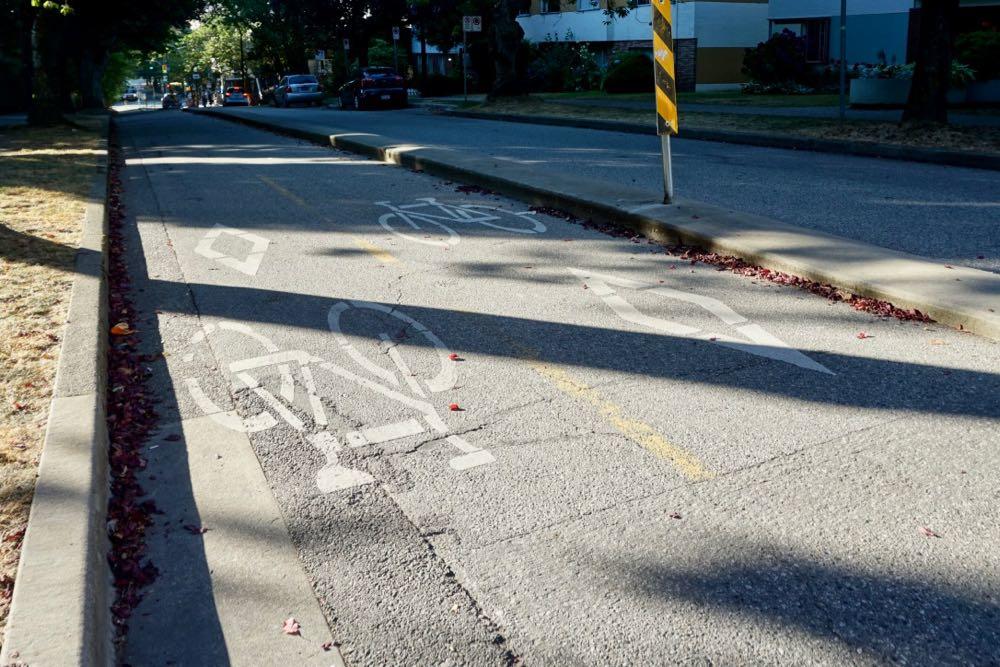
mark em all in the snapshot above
pixel 891 93
pixel 984 92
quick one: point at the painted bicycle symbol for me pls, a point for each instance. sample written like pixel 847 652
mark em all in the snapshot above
pixel 437 220
pixel 294 369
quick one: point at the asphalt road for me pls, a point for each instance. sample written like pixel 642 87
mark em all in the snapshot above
pixel 948 213
pixel 651 463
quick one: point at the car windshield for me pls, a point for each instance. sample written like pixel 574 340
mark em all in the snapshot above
pixel 301 79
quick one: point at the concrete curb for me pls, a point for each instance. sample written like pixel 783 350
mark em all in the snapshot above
pixel 858 148
pixel 60 612
pixel 957 296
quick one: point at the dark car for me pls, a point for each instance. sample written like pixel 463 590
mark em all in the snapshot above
pixel 374 86
pixel 170 101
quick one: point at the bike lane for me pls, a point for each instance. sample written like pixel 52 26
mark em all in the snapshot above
pixel 639 440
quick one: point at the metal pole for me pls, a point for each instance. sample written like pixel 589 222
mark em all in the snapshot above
pixel 465 76
pixel 395 58
pixel 668 173
pixel 843 59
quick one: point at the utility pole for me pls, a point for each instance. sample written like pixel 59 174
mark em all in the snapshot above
pixel 843 59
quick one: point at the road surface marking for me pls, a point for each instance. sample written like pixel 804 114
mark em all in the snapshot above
pixel 334 476
pixel 249 265
pixel 430 215
pixel 758 341
pixel 633 429
pixel 375 251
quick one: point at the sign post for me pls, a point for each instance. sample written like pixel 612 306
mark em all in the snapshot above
pixel 347 63
pixel 469 24
pixel 666 89
pixel 395 41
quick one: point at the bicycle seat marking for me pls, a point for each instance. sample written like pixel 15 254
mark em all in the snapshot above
pixel 404 387
pixel 433 223
pixel 757 341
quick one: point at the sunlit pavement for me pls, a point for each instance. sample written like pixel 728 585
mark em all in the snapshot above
pixel 494 434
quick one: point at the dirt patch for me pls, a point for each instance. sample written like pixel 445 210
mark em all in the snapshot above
pixel 48 173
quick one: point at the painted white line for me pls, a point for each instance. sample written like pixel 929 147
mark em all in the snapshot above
pixel 404 370
pixel 272 359
pixel 378 434
pixel 471 460
pixel 759 341
pixel 260 422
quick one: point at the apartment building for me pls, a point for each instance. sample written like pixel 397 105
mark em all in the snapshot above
pixel 710 35
pixel 876 29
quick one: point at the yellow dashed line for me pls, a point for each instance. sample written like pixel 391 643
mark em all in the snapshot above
pixel 375 251
pixel 381 254
pixel 633 429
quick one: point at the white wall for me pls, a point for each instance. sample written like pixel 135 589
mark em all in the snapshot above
pixel 730 23
pixel 801 9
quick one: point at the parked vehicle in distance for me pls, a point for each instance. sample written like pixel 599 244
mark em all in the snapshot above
pixel 130 95
pixel 235 97
pixel 374 86
pixel 170 101
pixel 298 89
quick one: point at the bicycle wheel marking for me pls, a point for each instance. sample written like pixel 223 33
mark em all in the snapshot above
pixel 758 341
pixel 430 217
pixel 280 407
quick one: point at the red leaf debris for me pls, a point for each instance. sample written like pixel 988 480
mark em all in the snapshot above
pixel 195 530
pixel 674 515
pixel 454 357
pixel 131 418
pixel 291 627
pixel 862 335
pixel 927 532
pixel 454 407
pixel 327 646
pixel 696 254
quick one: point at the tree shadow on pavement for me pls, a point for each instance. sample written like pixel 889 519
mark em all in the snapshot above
pixel 899 619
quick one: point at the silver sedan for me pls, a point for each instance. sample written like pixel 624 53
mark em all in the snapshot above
pixel 298 89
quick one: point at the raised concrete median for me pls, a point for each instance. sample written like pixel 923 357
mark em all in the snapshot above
pixel 954 295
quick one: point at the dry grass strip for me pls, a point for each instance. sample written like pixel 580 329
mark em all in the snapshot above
pixel 45 176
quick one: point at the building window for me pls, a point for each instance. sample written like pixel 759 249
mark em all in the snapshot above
pixel 582 5
pixel 816 32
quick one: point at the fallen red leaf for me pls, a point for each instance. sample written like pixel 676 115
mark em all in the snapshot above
pixel 454 357
pixel 327 646
pixel 675 515
pixel 927 532
pixel 454 407
pixel 291 627
pixel 195 530
pixel 863 335
pixel 121 329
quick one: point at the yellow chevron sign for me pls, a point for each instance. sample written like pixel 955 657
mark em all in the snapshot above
pixel 663 50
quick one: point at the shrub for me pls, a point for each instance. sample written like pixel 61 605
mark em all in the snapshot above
pixel 629 72
pixel 439 85
pixel 558 67
pixel 781 60
pixel 981 50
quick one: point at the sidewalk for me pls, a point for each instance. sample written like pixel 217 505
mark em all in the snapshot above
pixel 961 297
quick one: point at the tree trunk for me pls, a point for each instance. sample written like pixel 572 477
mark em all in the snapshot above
pixel 506 37
pixel 92 68
pixel 928 101
pixel 44 107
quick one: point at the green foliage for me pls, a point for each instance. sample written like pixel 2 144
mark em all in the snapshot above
pixel 629 72
pixel 380 53
pixel 981 50
pixel 118 70
pixel 778 62
pixel 562 66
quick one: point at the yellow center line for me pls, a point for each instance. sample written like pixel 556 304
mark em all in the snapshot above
pixel 637 431
pixel 379 253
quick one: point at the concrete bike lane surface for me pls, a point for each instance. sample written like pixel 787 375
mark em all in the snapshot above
pixel 650 461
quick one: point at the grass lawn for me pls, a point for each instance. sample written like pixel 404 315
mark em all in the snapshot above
pixel 980 139
pixel 47 173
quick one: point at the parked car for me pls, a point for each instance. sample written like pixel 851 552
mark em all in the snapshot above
pixel 235 97
pixel 374 86
pixel 298 89
pixel 170 101
pixel 130 95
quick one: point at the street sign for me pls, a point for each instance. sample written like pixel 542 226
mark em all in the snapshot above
pixel 196 76
pixel 395 32
pixel 666 89
pixel 472 23
pixel 164 67
pixel 320 54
